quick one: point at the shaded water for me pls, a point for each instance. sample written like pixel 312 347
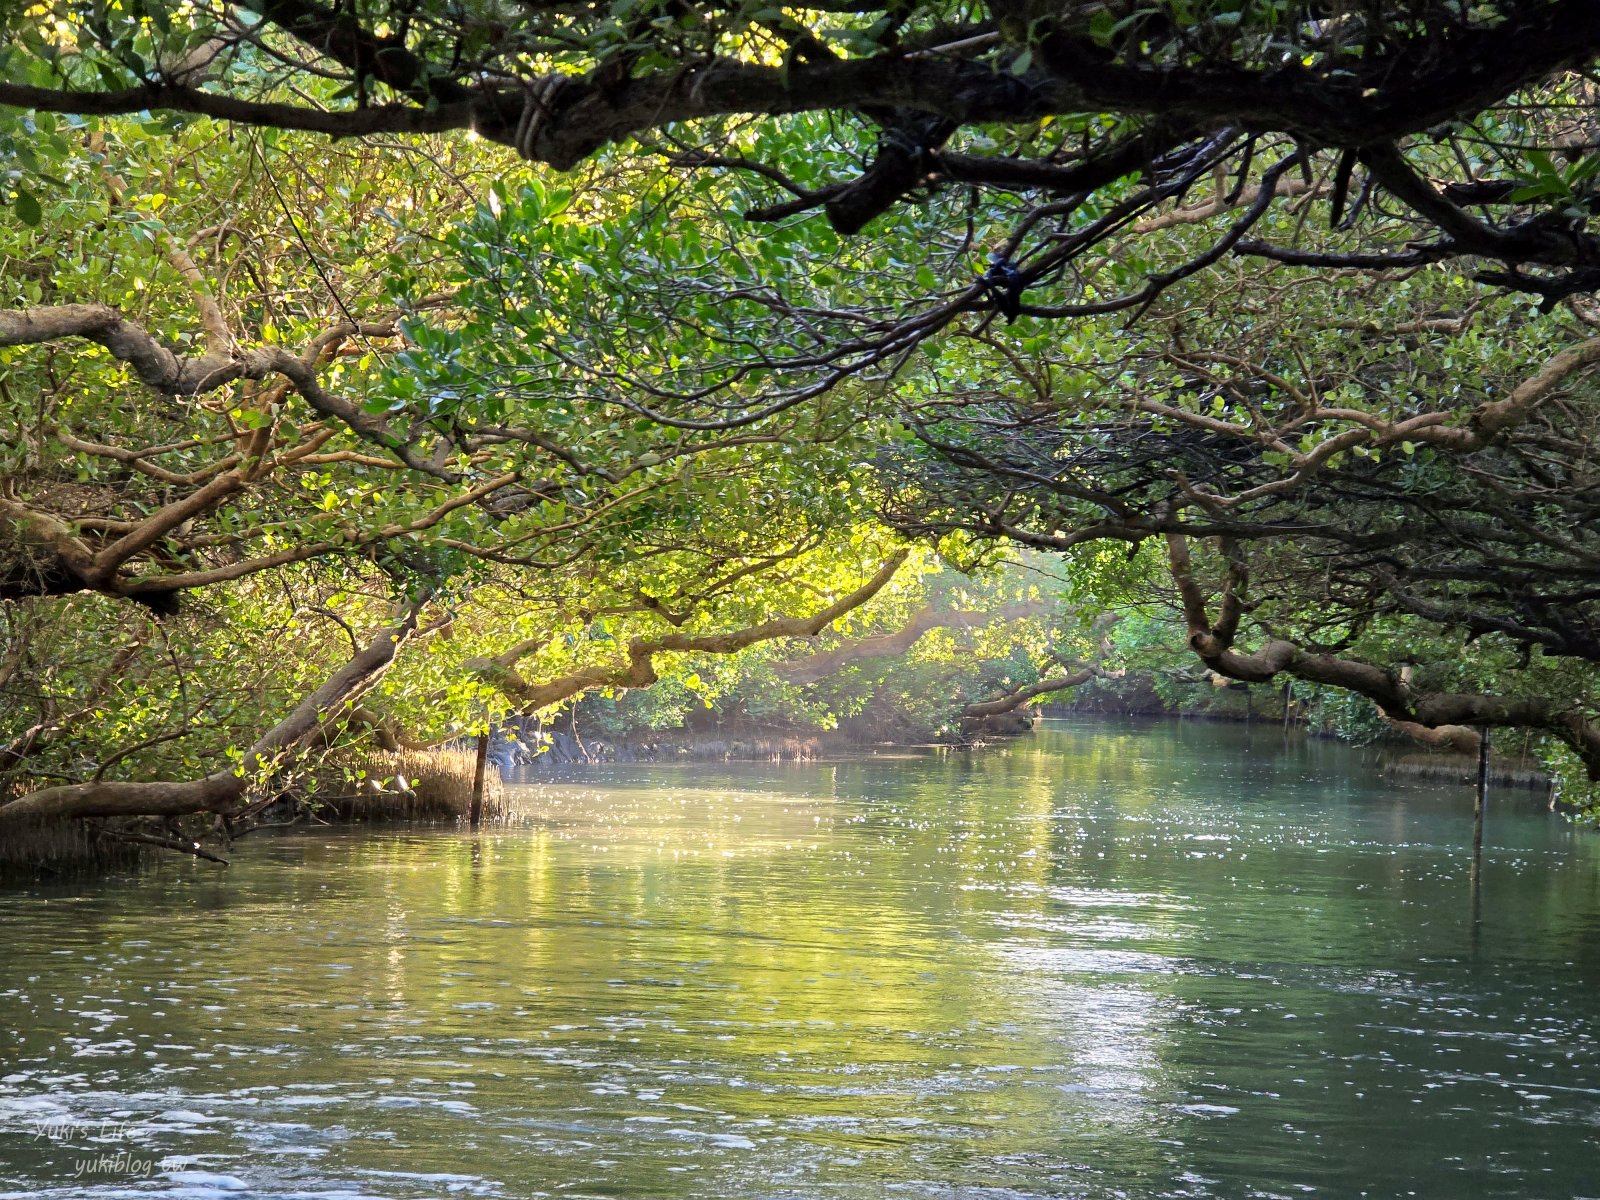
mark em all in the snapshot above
pixel 1110 960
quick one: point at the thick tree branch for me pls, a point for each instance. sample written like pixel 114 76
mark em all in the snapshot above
pixel 1389 92
pixel 1016 698
pixel 165 372
pixel 823 663
pixel 1389 690
pixel 221 790
pixel 639 670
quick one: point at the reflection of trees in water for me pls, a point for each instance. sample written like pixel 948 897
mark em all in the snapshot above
pixel 907 971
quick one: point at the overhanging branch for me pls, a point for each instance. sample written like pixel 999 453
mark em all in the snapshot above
pixel 639 670
pixel 221 790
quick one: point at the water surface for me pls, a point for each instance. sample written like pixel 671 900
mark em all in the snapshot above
pixel 1109 960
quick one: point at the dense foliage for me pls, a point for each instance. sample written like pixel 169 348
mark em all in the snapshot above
pixel 1260 334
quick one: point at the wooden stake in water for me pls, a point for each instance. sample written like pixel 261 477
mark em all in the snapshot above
pixel 477 780
pixel 1482 799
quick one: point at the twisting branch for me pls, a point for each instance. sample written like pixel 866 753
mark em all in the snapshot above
pixel 1017 697
pixel 927 618
pixel 639 669
pixel 1388 689
pixel 223 363
pixel 1395 87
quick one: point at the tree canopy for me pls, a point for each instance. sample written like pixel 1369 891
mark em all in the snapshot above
pixel 1463 117
pixel 524 351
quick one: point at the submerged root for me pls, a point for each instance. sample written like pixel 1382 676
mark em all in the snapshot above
pixel 48 848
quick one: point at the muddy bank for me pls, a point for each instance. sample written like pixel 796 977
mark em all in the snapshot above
pixel 44 850
pixel 1505 771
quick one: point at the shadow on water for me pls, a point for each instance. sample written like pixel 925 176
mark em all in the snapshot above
pixel 1114 959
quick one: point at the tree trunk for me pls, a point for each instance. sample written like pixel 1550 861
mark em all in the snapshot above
pixel 476 817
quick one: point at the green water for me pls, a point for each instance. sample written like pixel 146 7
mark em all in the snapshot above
pixel 1111 960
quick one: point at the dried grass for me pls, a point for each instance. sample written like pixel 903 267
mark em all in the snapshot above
pixel 411 785
pixel 50 849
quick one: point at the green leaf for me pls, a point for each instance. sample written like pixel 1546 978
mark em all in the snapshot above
pixel 27 207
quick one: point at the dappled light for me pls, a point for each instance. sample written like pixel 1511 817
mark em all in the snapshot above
pixel 541 545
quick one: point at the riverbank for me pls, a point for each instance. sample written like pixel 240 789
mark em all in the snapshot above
pixel 369 787
pixel 743 742
pixel 543 749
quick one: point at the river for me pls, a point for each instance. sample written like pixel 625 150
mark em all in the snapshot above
pixel 1109 960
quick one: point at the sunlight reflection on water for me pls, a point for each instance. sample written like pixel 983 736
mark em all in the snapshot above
pixel 1110 960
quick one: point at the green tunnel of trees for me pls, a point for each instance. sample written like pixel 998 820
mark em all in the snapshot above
pixel 376 373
